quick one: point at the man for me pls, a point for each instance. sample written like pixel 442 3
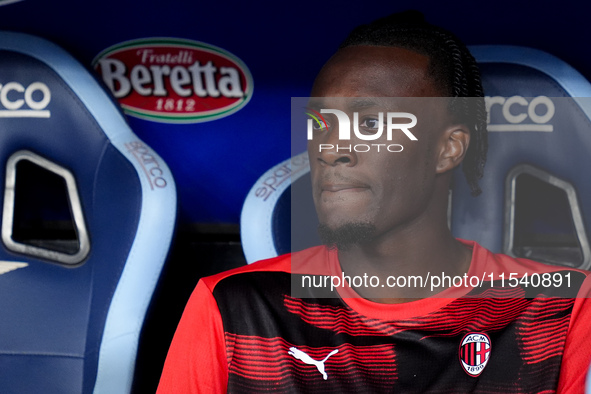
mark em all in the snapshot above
pixel 383 215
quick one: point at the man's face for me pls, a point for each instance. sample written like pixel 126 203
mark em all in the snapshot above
pixel 384 190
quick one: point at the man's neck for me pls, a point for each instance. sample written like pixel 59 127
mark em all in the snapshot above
pixel 416 249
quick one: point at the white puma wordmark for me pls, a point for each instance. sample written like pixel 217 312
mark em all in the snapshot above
pixel 300 355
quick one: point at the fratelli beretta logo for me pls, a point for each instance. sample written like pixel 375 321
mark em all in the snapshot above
pixel 174 80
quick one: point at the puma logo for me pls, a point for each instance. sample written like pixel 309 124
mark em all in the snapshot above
pixel 300 355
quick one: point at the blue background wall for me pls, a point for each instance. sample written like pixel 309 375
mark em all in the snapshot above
pixel 284 44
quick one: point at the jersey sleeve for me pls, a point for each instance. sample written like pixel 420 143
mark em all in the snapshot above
pixel 196 361
pixel 576 358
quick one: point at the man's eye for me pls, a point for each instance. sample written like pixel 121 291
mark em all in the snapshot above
pixel 318 125
pixel 370 124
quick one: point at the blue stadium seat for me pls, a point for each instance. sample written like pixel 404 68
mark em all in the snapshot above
pixel 87 220
pixel 536 195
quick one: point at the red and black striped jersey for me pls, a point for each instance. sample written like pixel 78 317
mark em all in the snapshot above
pixel 245 331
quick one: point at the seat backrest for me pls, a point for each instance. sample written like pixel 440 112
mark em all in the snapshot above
pixel 88 216
pixel 266 219
pixel 536 195
pixel 536 198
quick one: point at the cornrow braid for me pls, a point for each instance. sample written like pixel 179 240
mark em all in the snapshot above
pixel 453 69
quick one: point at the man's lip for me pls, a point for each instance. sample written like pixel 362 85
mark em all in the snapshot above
pixel 337 187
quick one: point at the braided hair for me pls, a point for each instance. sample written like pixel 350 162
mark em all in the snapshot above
pixel 452 68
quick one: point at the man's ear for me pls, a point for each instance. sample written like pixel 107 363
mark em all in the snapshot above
pixel 452 147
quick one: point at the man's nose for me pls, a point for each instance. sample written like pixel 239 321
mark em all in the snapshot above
pixel 332 151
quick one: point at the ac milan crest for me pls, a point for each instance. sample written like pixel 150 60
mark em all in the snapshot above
pixel 474 353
